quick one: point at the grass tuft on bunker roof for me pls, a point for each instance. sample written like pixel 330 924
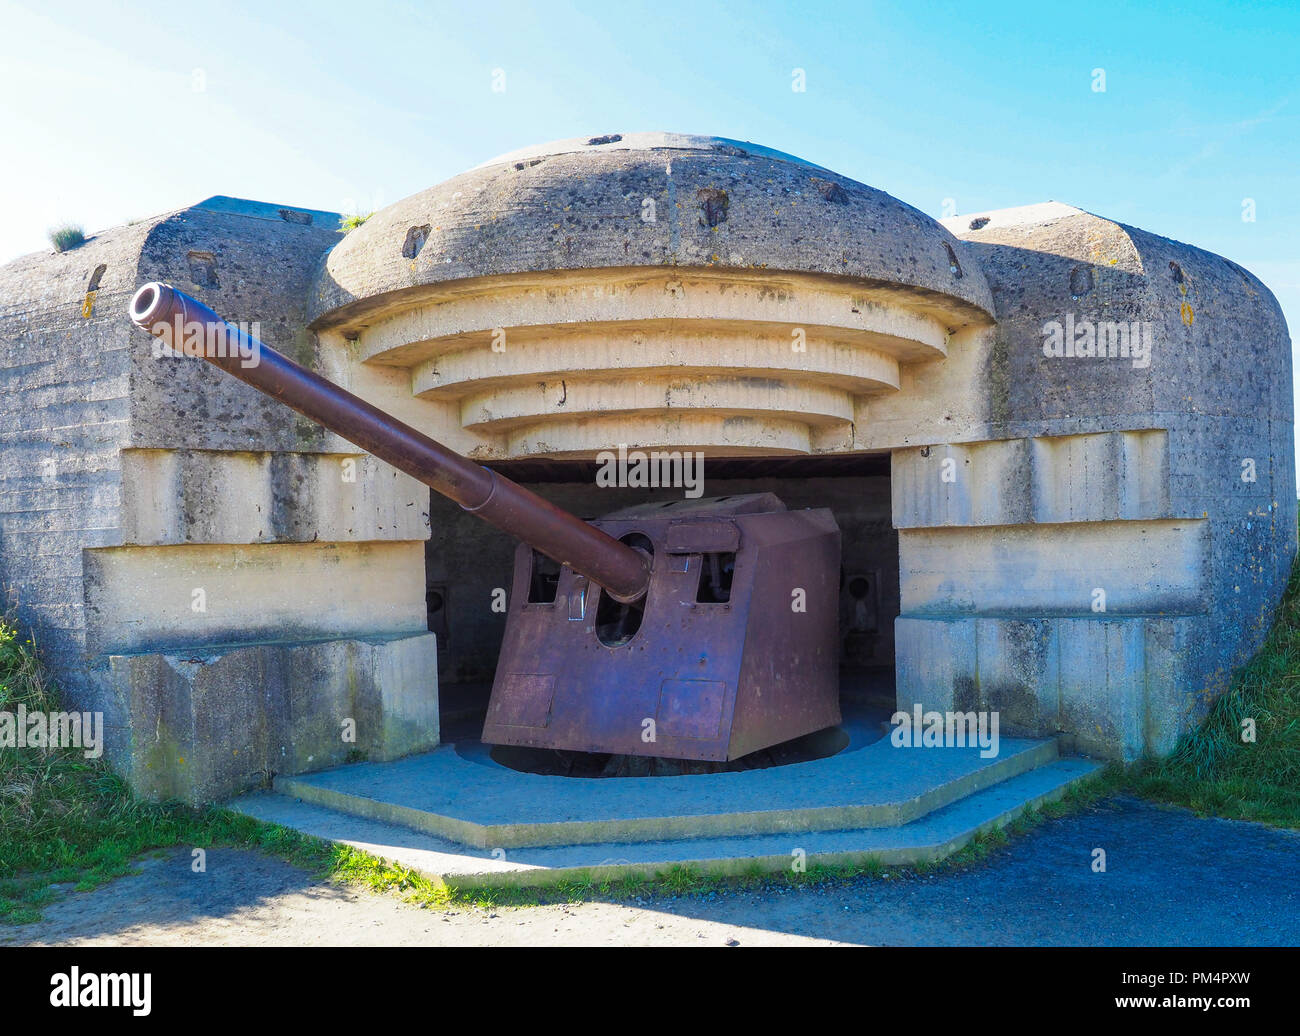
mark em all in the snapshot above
pixel 67 237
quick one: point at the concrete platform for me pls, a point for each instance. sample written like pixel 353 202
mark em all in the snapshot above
pixel 927 839
pixel 459 792
pixel 459 817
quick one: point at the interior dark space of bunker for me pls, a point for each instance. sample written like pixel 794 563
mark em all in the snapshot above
pixel 469 567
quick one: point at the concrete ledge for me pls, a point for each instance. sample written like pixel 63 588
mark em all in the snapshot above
pixel 210 723
pixel 222 496
pixel 1118 683
pixel 1091 477
pixel 1143 567
pixel 145 599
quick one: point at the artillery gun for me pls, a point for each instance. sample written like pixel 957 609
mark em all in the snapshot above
pixel 693 629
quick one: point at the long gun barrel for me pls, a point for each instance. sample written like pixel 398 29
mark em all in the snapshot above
pixel 165 312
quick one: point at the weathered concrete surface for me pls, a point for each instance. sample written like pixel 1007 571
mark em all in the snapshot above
pixel 1143 514
pixel 716 203
pixel 221 496
pixel 206 724
pixel 128 480
pixel 657 290
pixel 176 596
pixel 461 793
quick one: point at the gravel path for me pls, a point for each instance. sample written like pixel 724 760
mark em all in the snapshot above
pixel 1171 878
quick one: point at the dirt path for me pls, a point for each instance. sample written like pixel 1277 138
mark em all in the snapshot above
pixel 246 899
pixel 1171 879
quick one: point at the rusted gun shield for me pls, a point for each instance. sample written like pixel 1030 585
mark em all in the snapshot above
pixel 735 647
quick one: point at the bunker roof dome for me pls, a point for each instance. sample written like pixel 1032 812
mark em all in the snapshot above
pixel 647 200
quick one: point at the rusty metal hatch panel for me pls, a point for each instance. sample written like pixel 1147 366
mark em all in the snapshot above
pixel 690 708
pixel 702 535
pixel 526 699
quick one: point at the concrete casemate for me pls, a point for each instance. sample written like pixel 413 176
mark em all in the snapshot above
pixel 1072 443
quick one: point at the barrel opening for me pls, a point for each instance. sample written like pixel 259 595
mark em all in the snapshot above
pixel 144 301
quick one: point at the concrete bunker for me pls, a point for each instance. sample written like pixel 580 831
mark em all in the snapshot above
pixel 1086 538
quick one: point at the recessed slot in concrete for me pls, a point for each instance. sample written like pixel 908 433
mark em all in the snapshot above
pixel 831 191
pixel 954 267
pixel 714 204
pixel 1080 281
pixel 415 239
pixel 203 269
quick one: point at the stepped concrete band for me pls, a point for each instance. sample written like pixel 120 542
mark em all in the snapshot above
pixel 623 571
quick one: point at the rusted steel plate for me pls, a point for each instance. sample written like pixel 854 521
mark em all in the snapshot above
pixel 699 679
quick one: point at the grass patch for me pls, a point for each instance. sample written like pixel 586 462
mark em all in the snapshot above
pixel 66 237
pixel 1215 770
pixel 65 819
pixel 347 224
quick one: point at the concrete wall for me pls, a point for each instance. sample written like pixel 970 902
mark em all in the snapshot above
pixel 226 585
pixel 1169 486
pixel 1052 581
pixel 65 361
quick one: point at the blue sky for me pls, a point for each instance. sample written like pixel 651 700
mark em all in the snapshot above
pixel 351 106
